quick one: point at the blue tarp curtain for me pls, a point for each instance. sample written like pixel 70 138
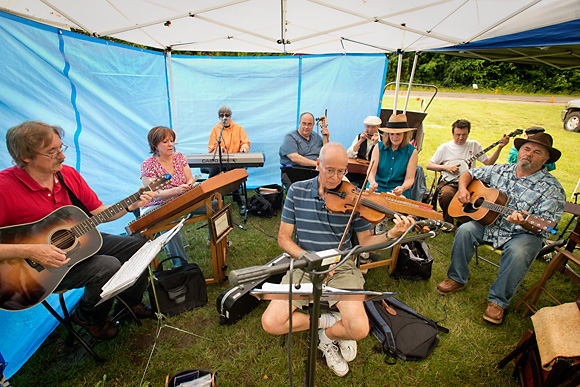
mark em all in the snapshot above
pixel 107 96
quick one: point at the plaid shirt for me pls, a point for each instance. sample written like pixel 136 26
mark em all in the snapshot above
pixel 540 194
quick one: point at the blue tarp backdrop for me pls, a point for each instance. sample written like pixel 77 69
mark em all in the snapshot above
pixel 107 96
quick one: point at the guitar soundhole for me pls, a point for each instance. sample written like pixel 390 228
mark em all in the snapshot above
pixel 63 239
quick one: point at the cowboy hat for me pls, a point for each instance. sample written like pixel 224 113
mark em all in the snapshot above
pixel 543 139
pixel 397 124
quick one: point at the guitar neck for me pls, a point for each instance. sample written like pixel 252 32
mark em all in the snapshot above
pixel 497 208
pixel 516 132
pixel 105 215
pixel 474 157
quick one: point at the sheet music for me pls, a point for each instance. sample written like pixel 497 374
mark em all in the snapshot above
pixel 132 269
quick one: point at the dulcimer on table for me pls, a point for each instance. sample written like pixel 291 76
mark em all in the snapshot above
pixel 357 166
pixel 223 183
pixel 411 207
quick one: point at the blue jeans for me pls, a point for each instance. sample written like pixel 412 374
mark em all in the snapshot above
pixel 516 259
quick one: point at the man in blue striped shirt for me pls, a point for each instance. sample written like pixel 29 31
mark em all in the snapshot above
pixel 317 230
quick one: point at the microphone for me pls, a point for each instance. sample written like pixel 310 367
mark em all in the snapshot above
pixel 445 226
pixel 249 274
pixel 225 119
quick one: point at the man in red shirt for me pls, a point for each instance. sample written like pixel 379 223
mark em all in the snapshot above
pixel 31 190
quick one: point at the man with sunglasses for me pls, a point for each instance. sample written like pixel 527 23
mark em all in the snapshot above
pixel 317 229
pixel 234 140
pixel 40 184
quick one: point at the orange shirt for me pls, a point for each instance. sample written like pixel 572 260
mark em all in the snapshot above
pixel 234 138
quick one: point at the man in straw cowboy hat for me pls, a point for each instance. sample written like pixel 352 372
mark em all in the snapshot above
pixel 530 189
pixel 446 159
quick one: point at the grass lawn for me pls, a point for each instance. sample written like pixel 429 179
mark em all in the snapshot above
pixel 243 355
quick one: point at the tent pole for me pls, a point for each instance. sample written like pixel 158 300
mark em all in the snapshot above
pixel 171 96
pixel 411 82
pixel 398 80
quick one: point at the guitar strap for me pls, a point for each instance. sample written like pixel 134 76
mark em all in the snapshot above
pixel 73 198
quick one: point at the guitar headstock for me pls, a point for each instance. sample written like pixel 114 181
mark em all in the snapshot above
pixel 322 121
pixel 158 183
pixel 516 132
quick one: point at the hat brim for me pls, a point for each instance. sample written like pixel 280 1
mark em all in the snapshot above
pixel 554 153
pixel 396 130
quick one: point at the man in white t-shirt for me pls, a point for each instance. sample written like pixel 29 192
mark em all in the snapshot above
pixel 447 160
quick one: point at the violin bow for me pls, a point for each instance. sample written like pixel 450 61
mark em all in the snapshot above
pixel 358 199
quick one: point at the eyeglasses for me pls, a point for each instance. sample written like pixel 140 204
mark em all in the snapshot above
pixel 224 115
pixel 332 172
pixel 55 154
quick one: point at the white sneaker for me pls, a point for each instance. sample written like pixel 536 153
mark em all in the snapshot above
pixel 381 227
pixel 347 349
pixel 334 359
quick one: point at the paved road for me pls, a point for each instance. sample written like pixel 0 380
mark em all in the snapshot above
pixel 532 99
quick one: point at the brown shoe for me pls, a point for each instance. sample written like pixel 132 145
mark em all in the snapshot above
pixel 449 286
pixel 105 330
pixel 143 311
pixel 494 313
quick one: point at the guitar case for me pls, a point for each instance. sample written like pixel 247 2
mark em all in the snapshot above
pixel 235 302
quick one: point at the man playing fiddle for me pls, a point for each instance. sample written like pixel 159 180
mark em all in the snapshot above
pixel 530 189
pixel 234 140
pixel 301 147
pixel 317 229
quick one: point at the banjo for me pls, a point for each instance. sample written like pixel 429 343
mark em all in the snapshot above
pixel 464 164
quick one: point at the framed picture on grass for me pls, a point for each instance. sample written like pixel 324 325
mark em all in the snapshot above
pixel 220 224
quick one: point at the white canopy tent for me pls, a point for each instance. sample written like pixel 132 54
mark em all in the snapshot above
pixel 307 26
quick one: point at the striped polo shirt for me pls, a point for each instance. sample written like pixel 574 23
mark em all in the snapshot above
pixel 316 228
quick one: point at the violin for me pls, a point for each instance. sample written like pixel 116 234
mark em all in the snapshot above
pixel 373 207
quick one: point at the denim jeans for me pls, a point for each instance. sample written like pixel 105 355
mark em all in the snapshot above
pixel 516 259
pixel 93 272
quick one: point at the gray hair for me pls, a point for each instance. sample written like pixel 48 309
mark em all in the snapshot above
pixel 225 109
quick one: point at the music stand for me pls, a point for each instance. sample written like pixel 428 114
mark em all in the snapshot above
pixel 314 292
pixel 131 270
pixel 299 173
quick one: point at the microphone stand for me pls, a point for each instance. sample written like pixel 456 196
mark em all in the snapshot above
pixel 313 262
pixel 219 145
pixel 219 150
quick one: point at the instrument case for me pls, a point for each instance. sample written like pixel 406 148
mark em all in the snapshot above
pixel 235 302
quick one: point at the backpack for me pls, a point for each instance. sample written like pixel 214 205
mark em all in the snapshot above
pixel 267 201
pixel 414 262
pixel 403 333
pixel 258 205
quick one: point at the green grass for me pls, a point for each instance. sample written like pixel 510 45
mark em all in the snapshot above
pixel 243 355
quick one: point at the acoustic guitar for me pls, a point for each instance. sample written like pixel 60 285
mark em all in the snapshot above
pixel 486 204
pixel 464 164
pixel 25 283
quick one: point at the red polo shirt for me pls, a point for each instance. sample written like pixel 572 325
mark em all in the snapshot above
pixel 23 200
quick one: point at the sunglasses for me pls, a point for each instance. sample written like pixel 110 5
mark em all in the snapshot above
pixel 224 115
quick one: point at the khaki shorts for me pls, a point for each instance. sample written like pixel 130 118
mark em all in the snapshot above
pixel 347 276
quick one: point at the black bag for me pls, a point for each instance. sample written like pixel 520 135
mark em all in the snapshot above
pixel 258 205
pixel 404 333
pixel 236 302
pixel 414 262
pixel 179 289
pixel 272 193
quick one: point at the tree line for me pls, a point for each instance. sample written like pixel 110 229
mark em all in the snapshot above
pixel 458 72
